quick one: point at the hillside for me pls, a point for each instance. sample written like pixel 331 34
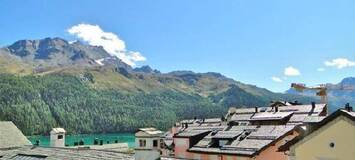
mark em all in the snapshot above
pixel 51 82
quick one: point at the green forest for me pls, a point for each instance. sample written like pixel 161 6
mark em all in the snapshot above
pixel 38 103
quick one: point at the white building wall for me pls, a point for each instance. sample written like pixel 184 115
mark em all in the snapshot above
pixel 146 155
pixel 147 152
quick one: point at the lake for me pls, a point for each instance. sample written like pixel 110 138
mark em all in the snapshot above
pixel 89 139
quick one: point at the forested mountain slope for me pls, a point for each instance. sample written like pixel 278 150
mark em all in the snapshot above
pixel 51 82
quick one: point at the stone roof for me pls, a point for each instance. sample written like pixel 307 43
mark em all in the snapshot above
pixel 241 117
pixel 212 120
pixel 37 153
pixel 270 132
pixel 227 134
pixel 242 128
pixel 297 109
pixel 205 142
pixel 351 113
pixel 11 136
pixel 219 127
pixel 313 119
pixel 292 108
pixel 270 116
pixel 200 122
pixel 245 140
pixel 191 133
pixel 298 118
pixel 248 145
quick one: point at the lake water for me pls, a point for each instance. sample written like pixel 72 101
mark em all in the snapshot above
pixel 89 139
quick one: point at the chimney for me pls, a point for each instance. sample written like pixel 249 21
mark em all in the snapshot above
pixel 256 109
pixel 348 107
pixel 276 109
pixel 57 137
pixel 313 105
pixel 96 141
pixel 37 142
pixel 81 142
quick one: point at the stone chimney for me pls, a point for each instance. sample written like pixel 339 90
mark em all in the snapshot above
pixel 57 137
pixel 348 107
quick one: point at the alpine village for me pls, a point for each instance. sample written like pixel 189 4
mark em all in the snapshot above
pixel 177 80
pixel 176 115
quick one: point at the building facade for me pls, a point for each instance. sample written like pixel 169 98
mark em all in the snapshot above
pixel 331 138
pixel 148 144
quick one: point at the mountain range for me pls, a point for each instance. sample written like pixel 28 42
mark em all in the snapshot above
pixel 52 82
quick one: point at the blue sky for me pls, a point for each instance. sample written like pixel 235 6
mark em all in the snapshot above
pixel 250 41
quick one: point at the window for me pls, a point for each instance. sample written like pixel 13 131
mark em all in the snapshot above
pixel 155 143
pixel 142 143
pixel 60 136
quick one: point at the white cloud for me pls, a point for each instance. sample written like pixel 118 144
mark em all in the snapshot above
pixel 320 69
pixel 277 79
pixel 340 63
pixel 95 36
pixel 291 71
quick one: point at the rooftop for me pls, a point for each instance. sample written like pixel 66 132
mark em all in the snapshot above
pixel 270 116
pixel 297 109
pixel 58 130
pixel 191 133
pixel 38 153
pixel 151 131
pixel 11 136
pixel 245 140
pixel 242 135
pixel 227 134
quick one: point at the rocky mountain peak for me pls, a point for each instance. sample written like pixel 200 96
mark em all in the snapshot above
pixel 146 69
pixel 54 52
pixel 348 81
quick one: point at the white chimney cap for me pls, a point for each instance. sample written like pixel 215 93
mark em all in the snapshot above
pixel 58 130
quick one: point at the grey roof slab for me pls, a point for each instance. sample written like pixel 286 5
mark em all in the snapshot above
pixel 11 136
